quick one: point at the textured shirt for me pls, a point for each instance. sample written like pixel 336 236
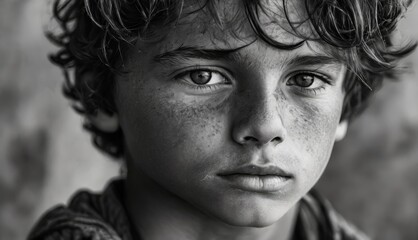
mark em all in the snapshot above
pixel 92 216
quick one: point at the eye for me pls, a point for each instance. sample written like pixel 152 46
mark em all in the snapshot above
pixel 307 80
pixel 203 77
pixel 200 77
pixel 303 80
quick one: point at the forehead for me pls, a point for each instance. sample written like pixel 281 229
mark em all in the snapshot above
pixel 226 25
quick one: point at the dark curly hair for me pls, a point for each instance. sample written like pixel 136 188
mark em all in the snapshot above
pixel 94 33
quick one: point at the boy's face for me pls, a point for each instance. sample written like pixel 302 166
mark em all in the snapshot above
pixel 239 135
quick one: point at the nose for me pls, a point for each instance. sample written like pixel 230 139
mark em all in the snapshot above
pixel 258 121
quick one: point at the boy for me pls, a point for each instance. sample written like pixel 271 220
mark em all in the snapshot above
pixel 224 112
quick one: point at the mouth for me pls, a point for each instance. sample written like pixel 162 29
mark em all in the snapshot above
pixel 254 178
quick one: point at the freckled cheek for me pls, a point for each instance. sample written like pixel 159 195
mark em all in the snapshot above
pixel 312 130
pixel 169 127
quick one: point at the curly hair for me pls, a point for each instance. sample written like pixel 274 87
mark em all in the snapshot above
pixel 93 34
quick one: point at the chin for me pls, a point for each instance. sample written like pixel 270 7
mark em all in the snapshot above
pixel 255 221
pixel 252 216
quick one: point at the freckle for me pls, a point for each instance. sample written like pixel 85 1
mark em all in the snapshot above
pixel 311 109
pixel 280 95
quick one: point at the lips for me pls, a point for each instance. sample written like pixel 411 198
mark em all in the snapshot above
pixel 254 178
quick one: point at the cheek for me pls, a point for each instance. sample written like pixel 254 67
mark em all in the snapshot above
pixel 313 133
pixel 172 131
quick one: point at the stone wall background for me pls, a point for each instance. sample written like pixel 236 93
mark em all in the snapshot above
pixel 45 156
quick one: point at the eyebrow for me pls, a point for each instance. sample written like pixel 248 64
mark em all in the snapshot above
pixel 184 53
pixel 312 60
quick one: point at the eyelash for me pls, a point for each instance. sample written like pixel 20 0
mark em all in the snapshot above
pixel 313 91
pixel 203 87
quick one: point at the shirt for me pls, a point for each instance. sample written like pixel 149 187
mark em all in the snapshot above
pixel 102 216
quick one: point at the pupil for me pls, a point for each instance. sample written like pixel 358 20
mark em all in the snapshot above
pixel 304 80
pixel 200 77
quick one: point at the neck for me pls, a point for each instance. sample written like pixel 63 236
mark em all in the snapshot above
pixel 157 214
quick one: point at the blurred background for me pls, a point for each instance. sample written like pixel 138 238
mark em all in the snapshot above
pixel 45 156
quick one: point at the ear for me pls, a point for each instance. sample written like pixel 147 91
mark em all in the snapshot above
pixel 341 131
pixel 105 122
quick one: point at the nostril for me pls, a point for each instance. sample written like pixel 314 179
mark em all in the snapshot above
pixel 250 139
pixel 253 139
pixel 277 140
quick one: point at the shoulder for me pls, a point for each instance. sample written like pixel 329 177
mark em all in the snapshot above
pixel 87 216
pixel 329 224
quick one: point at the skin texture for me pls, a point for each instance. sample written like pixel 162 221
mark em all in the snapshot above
pixel 180 136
